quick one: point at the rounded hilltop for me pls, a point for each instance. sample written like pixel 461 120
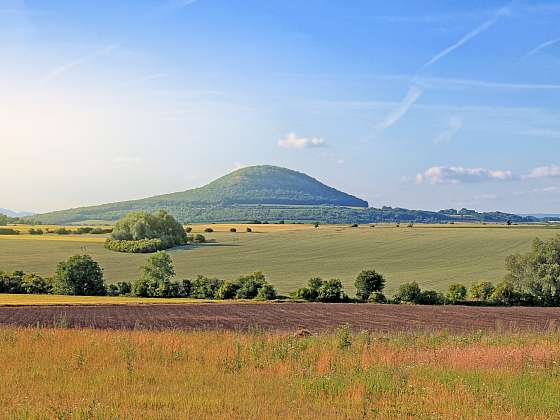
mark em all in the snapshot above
pixel 266 184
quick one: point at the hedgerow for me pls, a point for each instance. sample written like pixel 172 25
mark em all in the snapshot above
pixel 142 246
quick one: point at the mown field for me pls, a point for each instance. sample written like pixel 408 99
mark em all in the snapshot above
pixel 434 256
pixel 61 373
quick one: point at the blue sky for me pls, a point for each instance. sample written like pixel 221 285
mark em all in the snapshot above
pixel 430 104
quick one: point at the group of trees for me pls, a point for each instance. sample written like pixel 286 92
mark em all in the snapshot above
pixel 142 232
pixel 369 287
pixel 157 281
pixel 80 275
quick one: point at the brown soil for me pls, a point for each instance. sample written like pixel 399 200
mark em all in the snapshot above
pixel 290 317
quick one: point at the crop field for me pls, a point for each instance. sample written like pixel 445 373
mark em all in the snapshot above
pixel 63 373
pixel 282 317
pixel 434 256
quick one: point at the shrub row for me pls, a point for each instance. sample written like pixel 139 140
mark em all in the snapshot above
pixel 8 231
pixel 142 246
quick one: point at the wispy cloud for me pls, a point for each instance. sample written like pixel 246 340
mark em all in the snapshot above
pixel 542 132
pixel 548 171
pixel 434 82
pixel 454 126
pixel 147 78
pixel 460 175
pixel 292 141
pixel 60 70
pixel 180 4
pixel 534 191
pixel 504 11
pixel 541 47
pixel 415 91
pixel 413 94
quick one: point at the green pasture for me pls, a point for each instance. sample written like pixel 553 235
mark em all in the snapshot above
pixel 434 256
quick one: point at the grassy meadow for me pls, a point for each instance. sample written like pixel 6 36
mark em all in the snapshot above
pixel 62 373
pixel 432 255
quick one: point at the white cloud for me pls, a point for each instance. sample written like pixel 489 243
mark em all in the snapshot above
pixel 460 175
pixel 454 126
pixel 548 171
pixel 413 94
pixel 292 141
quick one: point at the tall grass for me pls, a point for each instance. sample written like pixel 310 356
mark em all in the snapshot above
pixel 62 373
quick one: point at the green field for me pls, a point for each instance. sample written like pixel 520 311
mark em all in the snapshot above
pixel 434 256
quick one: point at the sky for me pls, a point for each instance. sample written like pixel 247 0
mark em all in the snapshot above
pixel 425 104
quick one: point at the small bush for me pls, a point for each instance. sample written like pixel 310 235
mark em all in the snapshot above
pixel 188 229
pixel 408 293
pixel 205 288
pixel 34 284
pixel 456 293
pixel 377 297
pixel 505 294
pixel 208 230
pixel 249 230
pixel 35 231
pixel 62 231
pixel 199 239
pixel 431 297
pixel 101 231
pixel 227 290
pixel 83 230
pixel 267 292
pixel 232 230
pixel 8 231
pixel 331 291
pixel 249 285
pixel 344 336
pixel 481 291
pixel 355 225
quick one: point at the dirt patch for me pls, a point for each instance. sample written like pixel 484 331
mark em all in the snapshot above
pixel 290 317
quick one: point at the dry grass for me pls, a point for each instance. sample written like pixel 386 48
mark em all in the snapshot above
pixel 19 300
pixel 59 373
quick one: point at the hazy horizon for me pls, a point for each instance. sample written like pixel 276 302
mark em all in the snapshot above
pixel 425 106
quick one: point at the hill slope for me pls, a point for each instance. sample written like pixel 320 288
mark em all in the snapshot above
pixel 231 197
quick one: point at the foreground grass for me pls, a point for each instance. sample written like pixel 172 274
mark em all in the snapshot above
pixel 434 256
pixel 61 373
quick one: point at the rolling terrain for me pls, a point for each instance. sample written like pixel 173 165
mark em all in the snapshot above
pixel 434 256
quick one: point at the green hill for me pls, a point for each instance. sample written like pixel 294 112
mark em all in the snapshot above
pixel 268 193
pixel 232 197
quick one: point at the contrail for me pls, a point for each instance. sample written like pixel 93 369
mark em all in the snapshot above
pixel 541 47
pixel 60 70
pixel 414 92
pixel 472 34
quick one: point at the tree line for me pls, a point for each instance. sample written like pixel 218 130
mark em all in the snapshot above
pixel 532 278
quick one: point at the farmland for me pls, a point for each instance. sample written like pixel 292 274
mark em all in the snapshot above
pixel 62 373
pixel 432 255
pixel 280 317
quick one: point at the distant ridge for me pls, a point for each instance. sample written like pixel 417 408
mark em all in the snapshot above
pixel 270 193
pixel 12 213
